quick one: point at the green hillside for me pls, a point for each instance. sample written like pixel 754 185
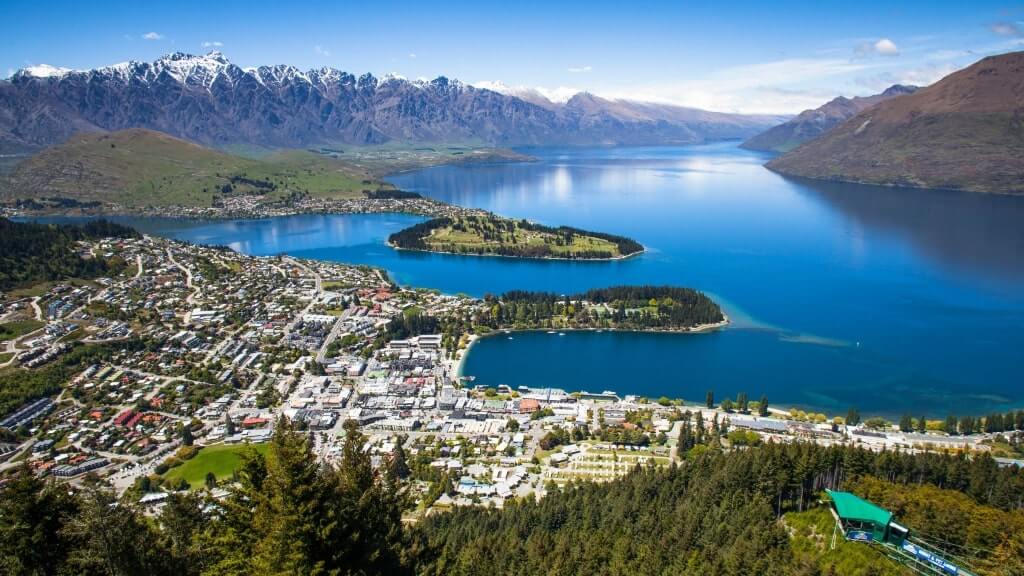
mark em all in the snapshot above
pixel 138 168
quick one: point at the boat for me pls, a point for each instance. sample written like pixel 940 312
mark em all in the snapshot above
pixel 551 331
pixel 561 333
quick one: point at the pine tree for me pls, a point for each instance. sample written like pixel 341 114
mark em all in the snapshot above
pixel 762 407
pixel 709 399
pixel 852 417
pixel 906 423
pixel 398 468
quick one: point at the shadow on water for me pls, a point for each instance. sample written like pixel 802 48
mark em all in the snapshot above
pixel 964 231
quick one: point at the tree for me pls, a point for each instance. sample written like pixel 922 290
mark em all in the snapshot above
pixel 229 425
pixel 742 402
pixel 186 435
pixel 922 425
pixel 181 520
pixel 211 480
pixel 709 399
pixel 852 417
pixel 906 423
pixel 762 405
pixel 398 468
pixel 727 405
pixel 512 425
pixel 32 514
pixel 113 538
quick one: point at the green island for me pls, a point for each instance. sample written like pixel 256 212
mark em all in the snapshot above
pixel 491 235
pixel 639 308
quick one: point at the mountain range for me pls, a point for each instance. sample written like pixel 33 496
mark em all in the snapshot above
pixel 964 132
pixel 208 100
pixel 810 124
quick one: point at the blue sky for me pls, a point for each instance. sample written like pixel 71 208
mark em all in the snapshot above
pixel 771 57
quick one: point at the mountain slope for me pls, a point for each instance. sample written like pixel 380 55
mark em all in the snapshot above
pixel 209 100
pixel 810 124
pixel 966 131
pixel 140 167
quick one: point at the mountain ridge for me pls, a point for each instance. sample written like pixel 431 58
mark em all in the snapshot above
pixel 964 132
pixel 211 101
pixel 812 123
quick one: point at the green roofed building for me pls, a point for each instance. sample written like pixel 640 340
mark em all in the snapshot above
pixel 862 520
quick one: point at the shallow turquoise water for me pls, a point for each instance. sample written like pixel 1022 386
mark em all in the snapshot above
pixel 891 300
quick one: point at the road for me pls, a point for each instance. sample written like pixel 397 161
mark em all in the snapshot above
pixel 188 283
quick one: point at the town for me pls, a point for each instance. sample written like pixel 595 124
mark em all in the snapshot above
pixel 168 372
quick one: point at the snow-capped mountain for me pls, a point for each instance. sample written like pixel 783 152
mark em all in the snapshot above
pixel 209 100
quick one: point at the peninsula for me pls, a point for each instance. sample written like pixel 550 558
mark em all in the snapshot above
pixel 636 308
pixel 491 235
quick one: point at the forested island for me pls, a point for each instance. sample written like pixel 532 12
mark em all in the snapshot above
pixel 491 235
pixel 667 308
pixel 31 253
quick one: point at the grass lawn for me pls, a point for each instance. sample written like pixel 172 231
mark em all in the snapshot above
pixel 5 356
pixel 18 328
pixel 221 459
pixel 472 240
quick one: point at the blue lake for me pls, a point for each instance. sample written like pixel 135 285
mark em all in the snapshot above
pixel 890 300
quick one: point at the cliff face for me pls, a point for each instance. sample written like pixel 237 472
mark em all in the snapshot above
pixel 966 132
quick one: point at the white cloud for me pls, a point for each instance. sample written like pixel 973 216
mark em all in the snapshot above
pixel 880 47
pixel 924 75
pixel 321 51
pixel 212 44
pixel 578 69
pixel 886 47
pixel 776 87
pixel 412 55
pixel 1006 29
pixel 10 72
pixel 560 94
pixel 152 36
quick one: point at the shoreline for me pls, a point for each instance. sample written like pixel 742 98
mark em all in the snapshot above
pixel 473 339
pixel 423 207
pixel 557 258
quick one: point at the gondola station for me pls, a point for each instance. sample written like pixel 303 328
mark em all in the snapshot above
pixel 858 520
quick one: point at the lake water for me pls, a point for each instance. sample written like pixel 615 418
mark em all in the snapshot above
pixel 890 300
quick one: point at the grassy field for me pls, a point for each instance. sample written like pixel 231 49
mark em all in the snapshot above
pixel 141 168
pixel 473 241
pixel 18 328
pixel 221 459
